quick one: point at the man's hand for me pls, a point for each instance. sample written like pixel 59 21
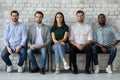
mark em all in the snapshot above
pixel 103 49
pixel 18 49
pixel 41 46
pixel 32 47
pixel 9 49
pixel 80 47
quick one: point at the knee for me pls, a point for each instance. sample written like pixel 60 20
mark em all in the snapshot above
pixel 29 51
pixel 113 49
pixel 88 49
pixel 3 54
pixel 60 45
pixel 94 47
pixel 54 48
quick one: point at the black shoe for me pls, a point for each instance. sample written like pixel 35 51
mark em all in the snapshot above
pixel 87 72
pixel 42 71
pixel 34 70
pixel 75 71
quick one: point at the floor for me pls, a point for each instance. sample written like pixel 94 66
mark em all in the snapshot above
pixel 61 76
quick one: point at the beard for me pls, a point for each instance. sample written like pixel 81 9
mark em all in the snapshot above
pixel 81 21
pixel 15 20
pixel 38 22
pixel 102 23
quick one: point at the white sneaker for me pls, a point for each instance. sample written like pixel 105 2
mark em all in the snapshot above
pixel 20 69
pixel 109 69
pixel 66 66
pixel 97 69
pixel 9 69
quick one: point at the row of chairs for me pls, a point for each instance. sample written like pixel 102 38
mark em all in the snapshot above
pixel 50 62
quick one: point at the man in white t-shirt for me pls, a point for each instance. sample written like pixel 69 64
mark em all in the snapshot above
pixel 80 39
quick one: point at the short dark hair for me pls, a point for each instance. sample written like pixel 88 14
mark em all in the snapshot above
pixel 101 15
pixel 79 11
pixel 14 11
pixel 38 12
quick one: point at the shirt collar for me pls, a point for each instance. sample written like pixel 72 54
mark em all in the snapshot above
pixel 38 25
pixel 14 24
pixel 80 24
pixel 102 27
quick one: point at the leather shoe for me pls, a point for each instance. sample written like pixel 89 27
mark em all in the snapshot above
pixel 42 71
pixel 34 70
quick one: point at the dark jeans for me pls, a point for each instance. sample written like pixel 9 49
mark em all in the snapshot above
pixel 5 56
pixel 74 50
pixel 110 49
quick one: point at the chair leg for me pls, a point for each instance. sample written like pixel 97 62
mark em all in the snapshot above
pixel 92 66
pixel 29 65
pixel 51 63
pixel 25 67
pixel 48 62
pixel 70 62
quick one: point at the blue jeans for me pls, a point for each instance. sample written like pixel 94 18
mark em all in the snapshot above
pixel 43 52
pixel 110 49
pixel 59 51
pixel 5 56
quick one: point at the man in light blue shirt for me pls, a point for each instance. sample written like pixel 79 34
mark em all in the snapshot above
pixel 106 37
pixel 15 36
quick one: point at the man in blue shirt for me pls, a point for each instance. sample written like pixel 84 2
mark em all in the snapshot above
pixel 106 37
pixel 15 36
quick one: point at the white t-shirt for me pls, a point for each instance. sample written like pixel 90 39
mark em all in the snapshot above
pixel 38 40
pixel 80 33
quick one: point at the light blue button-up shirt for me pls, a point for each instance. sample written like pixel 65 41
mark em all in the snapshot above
pixel 105 35
pixel 15 35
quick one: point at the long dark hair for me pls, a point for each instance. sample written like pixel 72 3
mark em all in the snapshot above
pixel 55 21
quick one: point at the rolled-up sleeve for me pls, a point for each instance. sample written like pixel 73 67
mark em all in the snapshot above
pixel 94 34
pixel 116 33
pixel 71 36
pixel 90 34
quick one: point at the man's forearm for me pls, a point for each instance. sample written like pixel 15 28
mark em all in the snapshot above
pixel 72 42
pixel 96 43
pixel 88 43
pixel 116 42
